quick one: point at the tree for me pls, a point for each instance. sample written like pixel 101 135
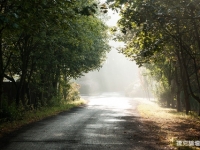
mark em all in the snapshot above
pixel 163 28
pixel 48 42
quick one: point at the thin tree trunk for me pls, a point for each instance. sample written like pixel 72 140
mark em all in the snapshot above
pixel 178 101
pixel 184 83
pixel 1 70
pixel 178 92
pixel 183 71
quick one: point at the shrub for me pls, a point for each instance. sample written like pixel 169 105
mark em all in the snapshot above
pixel 10 112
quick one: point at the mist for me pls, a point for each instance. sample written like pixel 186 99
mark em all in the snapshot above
pixel 118 74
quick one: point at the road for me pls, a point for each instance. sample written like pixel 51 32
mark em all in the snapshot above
pixel 108 121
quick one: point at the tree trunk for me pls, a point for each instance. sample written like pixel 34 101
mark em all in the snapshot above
pixel 184 81
pixel 187 101
pixel 185 88
pixel 178 101
pixel 183 70
pixel 172 93
pixel 1 70
pixel 199 110
pixel 178 89
pixel 168 102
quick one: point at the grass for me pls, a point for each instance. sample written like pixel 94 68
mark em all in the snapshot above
pixel 170 126
pixel 36 115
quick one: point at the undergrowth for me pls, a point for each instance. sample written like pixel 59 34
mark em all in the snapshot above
pixel 171 126
pixel 20 118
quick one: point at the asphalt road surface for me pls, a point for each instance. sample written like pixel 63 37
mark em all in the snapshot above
pixel 109 121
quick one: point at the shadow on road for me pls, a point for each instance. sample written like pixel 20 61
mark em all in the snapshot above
pixel 104 123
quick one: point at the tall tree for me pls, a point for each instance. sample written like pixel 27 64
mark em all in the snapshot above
pixel 44 41
pixel 156 26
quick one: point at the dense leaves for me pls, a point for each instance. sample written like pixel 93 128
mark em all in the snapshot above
pixel 46 43
pixel 164 37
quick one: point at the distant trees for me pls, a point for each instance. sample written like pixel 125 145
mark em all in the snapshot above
pixel 164 37
pixel 47 43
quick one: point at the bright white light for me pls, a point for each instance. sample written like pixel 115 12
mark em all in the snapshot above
pixel 115 44
pixel 114 17
pixel 116 103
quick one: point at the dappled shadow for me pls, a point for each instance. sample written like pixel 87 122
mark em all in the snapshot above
pixel 185 130
pixel 9 136
pixel 95 127
pixel 169 126
pixel 144 133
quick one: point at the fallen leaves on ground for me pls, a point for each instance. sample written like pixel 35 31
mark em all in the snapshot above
pixel 168 126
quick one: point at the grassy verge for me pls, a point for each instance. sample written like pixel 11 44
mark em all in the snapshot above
pixel 36 115
pixel 170 126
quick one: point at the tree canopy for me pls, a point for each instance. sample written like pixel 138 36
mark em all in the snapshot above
pixel 164 35
pixel 47 43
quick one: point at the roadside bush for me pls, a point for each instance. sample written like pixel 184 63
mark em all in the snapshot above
pixel 55 101
pixel 10 112
pixel 163 97
pixel 73 92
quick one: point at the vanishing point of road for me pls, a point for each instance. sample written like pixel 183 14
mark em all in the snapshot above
pixel 108 121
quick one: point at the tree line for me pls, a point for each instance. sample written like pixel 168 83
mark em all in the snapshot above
pixel 47 43
pixel 163 36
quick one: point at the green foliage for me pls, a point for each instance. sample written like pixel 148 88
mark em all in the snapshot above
pixel 35 115
pixel 10 112
pixel 54 101
pixel 163 36
pixel 73 92
pixel 48 43
pixel 164 96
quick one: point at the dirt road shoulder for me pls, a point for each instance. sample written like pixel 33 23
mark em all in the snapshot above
pixel 169 127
